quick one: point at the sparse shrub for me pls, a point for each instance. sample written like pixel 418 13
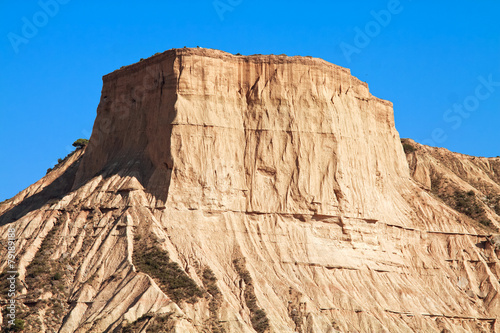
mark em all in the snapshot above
pixel 134 326
pixel 258 317
pixel 159 324
pixel 467 203
pixel 42 269
pixel 18 325
pixel 80 143
pixel 210 283
pixel 172 279
pixel 485 222
pixel 45 274
pixel 436 183
pixel 39 267
pixel 5 284
pixel 58 308
pixel 156 324
pixel 259 321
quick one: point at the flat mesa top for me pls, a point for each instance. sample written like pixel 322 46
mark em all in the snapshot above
pixel 213 53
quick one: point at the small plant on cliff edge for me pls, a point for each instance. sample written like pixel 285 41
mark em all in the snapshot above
pixel 80 143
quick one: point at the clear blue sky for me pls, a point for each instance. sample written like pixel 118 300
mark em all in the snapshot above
pixel 424 56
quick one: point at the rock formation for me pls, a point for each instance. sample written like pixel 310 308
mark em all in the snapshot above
pixel 224 193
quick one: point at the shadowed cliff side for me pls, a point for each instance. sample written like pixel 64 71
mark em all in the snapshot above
pixel 52 187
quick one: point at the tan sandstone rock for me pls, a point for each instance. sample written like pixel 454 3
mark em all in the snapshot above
pixel 284 177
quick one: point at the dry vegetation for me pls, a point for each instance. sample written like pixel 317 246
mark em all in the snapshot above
pixel 149 258
pixel 215 297
pixel 258 316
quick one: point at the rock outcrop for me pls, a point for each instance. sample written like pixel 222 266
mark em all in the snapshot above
pixel 248 194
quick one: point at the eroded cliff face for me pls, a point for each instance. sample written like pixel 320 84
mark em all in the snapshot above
pixel 276 195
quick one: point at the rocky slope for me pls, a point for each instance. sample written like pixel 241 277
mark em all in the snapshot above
pixel 468 184
pixel 225 193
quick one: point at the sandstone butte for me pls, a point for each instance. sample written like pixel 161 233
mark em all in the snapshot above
pixel 264 193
